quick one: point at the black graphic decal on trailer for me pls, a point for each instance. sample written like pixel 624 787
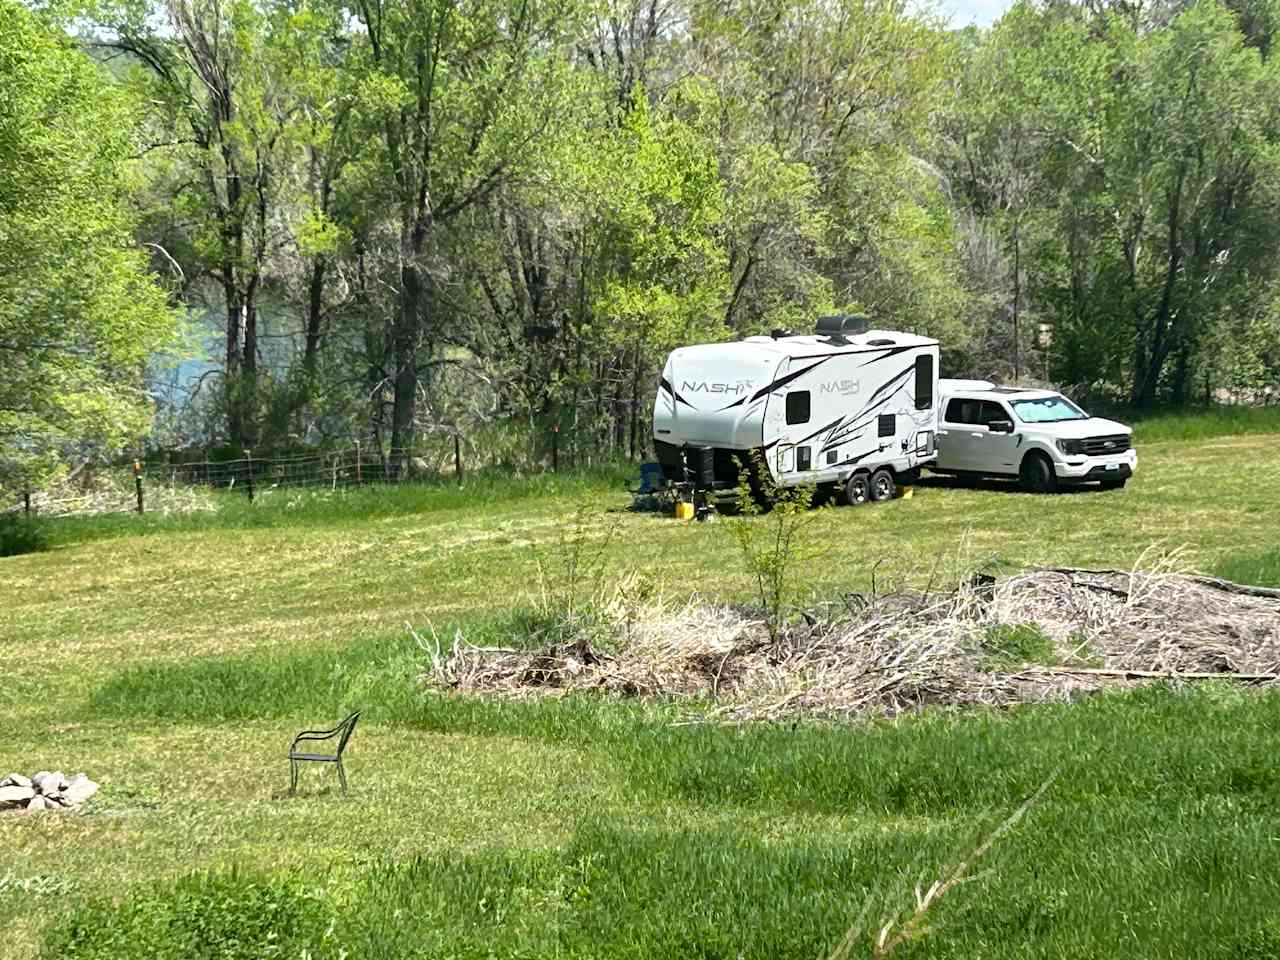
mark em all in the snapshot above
pixel 859 458
pixel 864 416
pixel 892 352
pixel 829 427
pixel 891 382
pixel 674 396
pixel 777 384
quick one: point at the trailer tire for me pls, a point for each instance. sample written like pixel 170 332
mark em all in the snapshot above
pixel 883 485
pixel 857 489
pixel 1037 474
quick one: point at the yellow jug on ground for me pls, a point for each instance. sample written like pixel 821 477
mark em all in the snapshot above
pixel 684 510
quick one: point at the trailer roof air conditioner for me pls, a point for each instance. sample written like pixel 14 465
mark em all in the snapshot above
pixel 840 326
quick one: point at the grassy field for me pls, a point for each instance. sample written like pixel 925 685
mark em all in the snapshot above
pixel 172 659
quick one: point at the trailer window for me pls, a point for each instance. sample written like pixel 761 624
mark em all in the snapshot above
pixel 924 381
pixel 804 458
pixel 888 424
pixel 797 407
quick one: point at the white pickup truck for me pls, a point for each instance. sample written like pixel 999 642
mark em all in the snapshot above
pixel 1038 436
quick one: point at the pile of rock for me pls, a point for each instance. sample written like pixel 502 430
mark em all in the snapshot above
pixel 45 791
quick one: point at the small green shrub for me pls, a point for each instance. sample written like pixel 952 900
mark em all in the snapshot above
pixel 18 535
pixel 773 545
pixel 1013 644
pixel 227 915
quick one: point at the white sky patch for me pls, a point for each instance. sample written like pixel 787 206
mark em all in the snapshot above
pixel 963 13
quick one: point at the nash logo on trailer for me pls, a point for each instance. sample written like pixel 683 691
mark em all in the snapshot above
pixel 846 388
pixel 705 386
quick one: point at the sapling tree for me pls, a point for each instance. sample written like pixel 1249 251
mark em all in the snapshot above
pixel 769 530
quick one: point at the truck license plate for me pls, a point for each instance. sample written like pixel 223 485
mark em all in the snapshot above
pixel 1113 466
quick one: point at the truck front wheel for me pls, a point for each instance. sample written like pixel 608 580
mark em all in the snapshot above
pixel 1037 473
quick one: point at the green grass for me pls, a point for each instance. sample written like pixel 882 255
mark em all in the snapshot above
pixel 173 659
pixel 1217 421
pixel 275 507
pixel 18 535
pixel 1257 567
pixel 1007 645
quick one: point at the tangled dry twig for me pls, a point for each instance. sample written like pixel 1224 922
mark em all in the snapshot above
pixel 888 655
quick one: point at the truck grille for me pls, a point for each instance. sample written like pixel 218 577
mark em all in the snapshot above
pixel 1105 446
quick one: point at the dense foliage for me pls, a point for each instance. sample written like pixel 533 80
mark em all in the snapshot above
pixel 79 318
pixel 397 219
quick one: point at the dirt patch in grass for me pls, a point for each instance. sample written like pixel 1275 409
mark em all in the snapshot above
pixel 1043 635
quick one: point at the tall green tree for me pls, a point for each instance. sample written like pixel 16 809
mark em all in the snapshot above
pixel 79 314
pixel 460 95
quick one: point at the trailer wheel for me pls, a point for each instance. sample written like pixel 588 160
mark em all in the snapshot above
pixel 883 486
pixel 857 490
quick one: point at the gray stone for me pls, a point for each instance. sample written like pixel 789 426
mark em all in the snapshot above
pixel 18 780
pixel 37 804
pixel 50 783
pixel 79 789
pixel 16 794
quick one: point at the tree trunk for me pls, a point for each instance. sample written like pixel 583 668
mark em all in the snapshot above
pixel 315 311
pixel 406 336
pixel 232 384
pixel 249 391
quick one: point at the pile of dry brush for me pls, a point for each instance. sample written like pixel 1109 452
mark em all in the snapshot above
pixel 886 655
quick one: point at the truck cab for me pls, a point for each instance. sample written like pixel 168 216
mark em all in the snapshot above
pixel 1037 436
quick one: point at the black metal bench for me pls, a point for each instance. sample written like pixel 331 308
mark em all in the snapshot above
pixel 342 731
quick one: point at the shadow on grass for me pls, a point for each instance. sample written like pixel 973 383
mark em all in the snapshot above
pixel 1058 885
pixel 940 481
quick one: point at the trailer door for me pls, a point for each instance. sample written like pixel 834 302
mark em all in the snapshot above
pixel 789 410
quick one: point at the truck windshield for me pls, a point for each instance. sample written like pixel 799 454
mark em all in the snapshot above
pixel 1053 409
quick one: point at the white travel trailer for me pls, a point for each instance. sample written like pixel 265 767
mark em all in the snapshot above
pixel 847 406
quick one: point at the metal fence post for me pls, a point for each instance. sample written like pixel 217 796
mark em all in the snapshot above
pixel 457 457
pixel 555 448
pixel 26 502
pixel 137 483
pixel 248 455
pixel 359 481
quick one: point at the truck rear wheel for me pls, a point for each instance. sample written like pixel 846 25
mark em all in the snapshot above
pixel 857 490
pixel 883 486
pixel 1037 473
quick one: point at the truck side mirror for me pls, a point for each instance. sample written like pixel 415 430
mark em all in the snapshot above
pixel 1000 426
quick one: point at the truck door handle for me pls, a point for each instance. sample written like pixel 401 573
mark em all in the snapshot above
pixel 978 435
pixel 942 433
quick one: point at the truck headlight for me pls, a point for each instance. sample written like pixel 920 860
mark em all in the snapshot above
pixel 1070 446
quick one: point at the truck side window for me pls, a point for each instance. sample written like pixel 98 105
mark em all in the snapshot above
pixel 963 411
pixel 993 411
pixel 924 381
pixel 797 407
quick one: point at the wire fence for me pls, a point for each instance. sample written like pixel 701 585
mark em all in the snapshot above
pixel 186 486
